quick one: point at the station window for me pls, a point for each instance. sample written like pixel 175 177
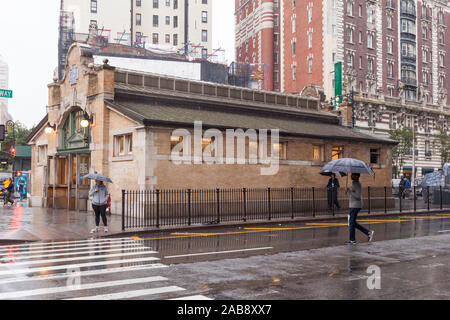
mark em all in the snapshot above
pixel 374 156
pixel 337 152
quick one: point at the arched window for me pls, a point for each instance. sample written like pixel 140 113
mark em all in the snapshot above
pixel 73 135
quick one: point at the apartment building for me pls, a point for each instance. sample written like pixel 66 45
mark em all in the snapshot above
pixel 394 56
pixel 156 22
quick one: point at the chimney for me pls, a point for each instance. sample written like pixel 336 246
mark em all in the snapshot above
pixel 93 32
pixel 346 110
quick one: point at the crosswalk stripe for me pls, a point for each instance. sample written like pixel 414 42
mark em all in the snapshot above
pixel 31 244
pixel 131 294
pixel 115 255
pixel 84 273
pixel 88 286
pixel 75 265
pixel 198 297
pixel 68 245
pixel 77 253
pixel 72 249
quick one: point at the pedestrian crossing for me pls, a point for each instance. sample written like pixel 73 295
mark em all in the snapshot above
pixel 93 269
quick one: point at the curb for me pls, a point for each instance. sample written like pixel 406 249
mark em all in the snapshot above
pixel 272 221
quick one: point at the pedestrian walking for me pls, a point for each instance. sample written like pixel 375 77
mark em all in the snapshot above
pixel 332 188
pixel 9 189
pixel 99 194
pixel 21 188
pixel 402 188
pixel 355 205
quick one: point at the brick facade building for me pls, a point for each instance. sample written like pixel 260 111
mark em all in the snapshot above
pixel 130 118
pixel 395 56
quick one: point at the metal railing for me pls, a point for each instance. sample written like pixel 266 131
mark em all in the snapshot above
pixel 160 208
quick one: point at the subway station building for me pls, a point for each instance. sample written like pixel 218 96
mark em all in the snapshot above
pixel 128 124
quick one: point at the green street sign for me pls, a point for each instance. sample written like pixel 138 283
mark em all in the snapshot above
pixel 338 82
pixel 6 93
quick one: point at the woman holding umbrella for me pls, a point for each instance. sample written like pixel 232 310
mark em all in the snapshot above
pixel 100 195
pixel 355 167
pixel 332 187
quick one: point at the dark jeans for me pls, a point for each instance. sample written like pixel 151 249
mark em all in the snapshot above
pixel 353 224
pixel 100 211
pixel 333 198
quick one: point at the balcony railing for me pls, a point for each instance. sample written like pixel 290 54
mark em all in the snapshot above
pixel 409 81
pixel 408 12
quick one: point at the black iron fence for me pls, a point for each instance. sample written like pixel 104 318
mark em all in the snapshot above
pixel 158 208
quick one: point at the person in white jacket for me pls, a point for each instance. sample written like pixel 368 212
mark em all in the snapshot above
pixel 99 194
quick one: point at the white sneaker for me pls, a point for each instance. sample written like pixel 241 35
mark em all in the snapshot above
pixel 105 229
pixel 95 230
pixel 370 236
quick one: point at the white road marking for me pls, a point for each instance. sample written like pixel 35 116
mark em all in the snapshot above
pixel 193 298
pixel 96 285
pixel 76 265
pixel 84 247
pixel 32 244
pixel 441 231
pixel 93 257
pixel 84 273
pixel 131 294
pixel 217 252
pixel 25 257
pixel 65 246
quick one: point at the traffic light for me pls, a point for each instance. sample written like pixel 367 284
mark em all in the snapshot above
pixel 13 151
pixel 18 174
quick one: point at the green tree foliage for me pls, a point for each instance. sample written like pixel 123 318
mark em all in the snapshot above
pixel 21 133
pixel 405 138
pixel 442 141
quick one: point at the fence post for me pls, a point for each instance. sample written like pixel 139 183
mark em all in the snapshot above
pixel 123 210
pixel 189 207
pixel 157 208
pixel 218 204
pixel 428 198
pixel 292 202
pixel 400 198
pixel 313 203
pixel 244 192
pixel 415 199
pixel 332 201
pixel 385 199
pixel 368 197
pixel 270 209
pixel 440 196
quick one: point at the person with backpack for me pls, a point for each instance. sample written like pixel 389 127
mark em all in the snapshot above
pixel 100 195
pixel 8 193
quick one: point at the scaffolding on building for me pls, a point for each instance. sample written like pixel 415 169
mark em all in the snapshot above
pixel 123 38
pixel 66 38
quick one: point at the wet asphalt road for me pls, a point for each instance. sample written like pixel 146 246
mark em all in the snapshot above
pixel 291 261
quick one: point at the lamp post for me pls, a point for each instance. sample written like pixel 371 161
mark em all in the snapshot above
pixel 12 124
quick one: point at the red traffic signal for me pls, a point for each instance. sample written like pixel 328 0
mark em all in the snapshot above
pixel 13 151
pixel 18 174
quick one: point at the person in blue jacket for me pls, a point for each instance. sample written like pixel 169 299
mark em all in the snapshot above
pixel 332 188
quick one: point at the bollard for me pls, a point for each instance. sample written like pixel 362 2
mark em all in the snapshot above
pixel 189 206
pixel 292 203
pixel 218 204
pixel 244 191
pixel 123 210
pixel 385 199
pixel 415 199
pixel 157 208
pixel 313 203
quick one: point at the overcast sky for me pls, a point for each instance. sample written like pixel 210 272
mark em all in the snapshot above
pixel 29 43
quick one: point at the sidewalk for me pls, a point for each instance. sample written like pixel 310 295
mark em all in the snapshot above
pixel 22 224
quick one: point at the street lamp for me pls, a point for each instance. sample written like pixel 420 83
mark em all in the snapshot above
pixel 87 120
pixel 49 129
